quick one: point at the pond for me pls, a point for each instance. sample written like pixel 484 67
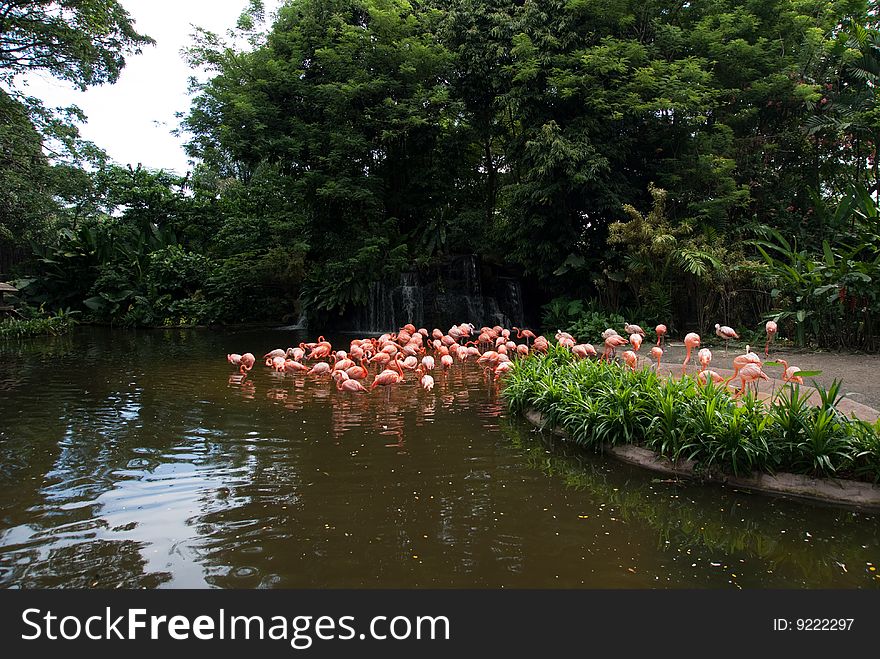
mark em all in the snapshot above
pixel 132 459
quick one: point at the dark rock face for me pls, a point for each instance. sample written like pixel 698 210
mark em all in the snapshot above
pixel 460 289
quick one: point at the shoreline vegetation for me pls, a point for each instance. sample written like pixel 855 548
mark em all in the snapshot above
pixel 55 324
pixel 785 446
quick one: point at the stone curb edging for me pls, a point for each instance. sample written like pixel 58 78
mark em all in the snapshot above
pixel 828 490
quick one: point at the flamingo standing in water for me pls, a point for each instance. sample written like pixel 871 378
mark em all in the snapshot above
pixel 425 380
pixel 691 341
pixel 661 333
pixel 321 368
pixel 771 328
pixel 726 333
pixel 244 362
pixel 352 386
pixel 389 376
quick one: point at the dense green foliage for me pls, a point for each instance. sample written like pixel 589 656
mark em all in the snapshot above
pixel 628 152
pixel 37 324
pixel 601 404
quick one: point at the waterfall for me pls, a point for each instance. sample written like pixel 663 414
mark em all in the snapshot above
pixel 458 289
pixel 411 300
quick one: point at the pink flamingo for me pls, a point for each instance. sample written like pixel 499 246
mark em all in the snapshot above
pixel 691 341
pixel 705 375
pixel 661 333
pixel 657 353
pixel 278 363
pixel 293 366
pixel 564 339
pixel 502 368
pixel 524 334
pixel 446 361
pixel 791 373
pixel 726 333
pixel 541 344
pixel 358 372
pixel 247 362
pixel 389 376
pixel 771 328
pixel 704 357
pixel 352 386
pixel 321 368
pixel 631 359
pixel 633 329
pixel 635 340
pixel 750 373
pixel 583 350
pixel 426 381
pixel 613 341
pixel 741 360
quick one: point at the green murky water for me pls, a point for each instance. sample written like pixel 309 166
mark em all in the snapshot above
pixel 133 459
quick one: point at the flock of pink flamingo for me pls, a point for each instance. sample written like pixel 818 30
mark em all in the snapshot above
pixel 392 355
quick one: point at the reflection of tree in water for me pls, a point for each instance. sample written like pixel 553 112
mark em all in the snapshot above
pixel 772 530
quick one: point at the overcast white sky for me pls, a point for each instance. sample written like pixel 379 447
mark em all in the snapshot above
pixel 132 120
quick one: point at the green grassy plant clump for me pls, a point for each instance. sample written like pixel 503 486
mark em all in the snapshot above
pixel 19 328
pixel 600 404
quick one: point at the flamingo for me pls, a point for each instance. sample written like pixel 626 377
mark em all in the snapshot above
pixel 613 341
pixel 750 373
pixel 244 362
pixel 293 366
pixel 657 353
pixel 631 359
pixel 609 332
pixel 278 363
pixel 446 361
pixel 726 333
pixel 564 339
pixel 741 360
pixel 524 334
pixel 389 376
pixel 541 344
pixel 691 341
pixel 771 328
pixel 321 368
pixel 705 375
pixel 704 357
pixel 502 368
pixel 661 333
pixel 633 329
pixel 352 386
pixel 358 372
pixel 428 362
pixel 791 373
pixel 247 362
pixel 426 381
pixel 272 354
pixel 583 350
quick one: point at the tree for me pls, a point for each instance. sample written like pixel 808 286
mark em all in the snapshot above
pixel 84 42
